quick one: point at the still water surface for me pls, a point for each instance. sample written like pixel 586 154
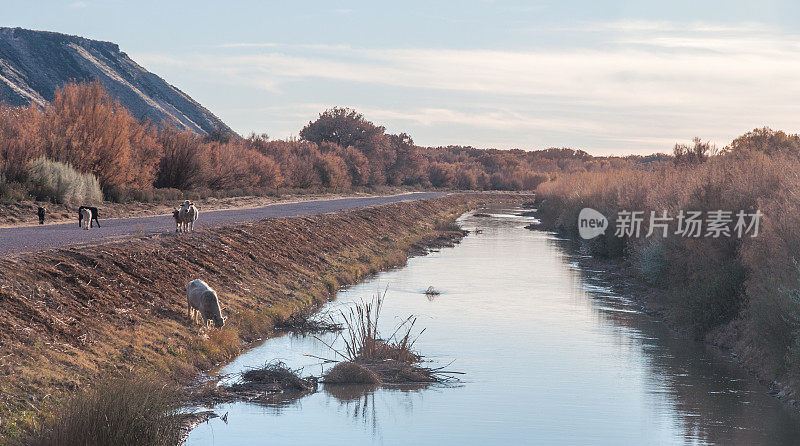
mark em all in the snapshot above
pixel 550 354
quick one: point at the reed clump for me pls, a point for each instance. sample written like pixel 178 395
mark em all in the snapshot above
pixel 135 411
pixel 366 355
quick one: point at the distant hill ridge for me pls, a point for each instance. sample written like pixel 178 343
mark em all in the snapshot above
pixel 33 64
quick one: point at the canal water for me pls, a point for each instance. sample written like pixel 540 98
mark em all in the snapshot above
pixel 550 355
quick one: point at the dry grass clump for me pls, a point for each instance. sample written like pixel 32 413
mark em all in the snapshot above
pixel 363 341
pixel 348 372
pixel 130 411
pixel 275 377
pixel 391 360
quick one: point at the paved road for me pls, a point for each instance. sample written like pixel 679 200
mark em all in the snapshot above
pixel 38 238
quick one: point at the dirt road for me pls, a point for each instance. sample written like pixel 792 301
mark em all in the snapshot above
pixel 36 238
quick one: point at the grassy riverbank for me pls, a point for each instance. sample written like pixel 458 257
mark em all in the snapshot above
pixel 738 293
pixel 75 314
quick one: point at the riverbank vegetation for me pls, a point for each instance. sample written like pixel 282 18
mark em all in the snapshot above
pixel 369 358
pixel 86 129
pixel 72 315
pixel 129 410
pixel 740 293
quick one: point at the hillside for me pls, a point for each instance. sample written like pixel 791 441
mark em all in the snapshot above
pixel 33 64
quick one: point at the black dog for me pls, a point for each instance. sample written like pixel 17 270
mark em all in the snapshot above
pixel 41 212
pixel 93 210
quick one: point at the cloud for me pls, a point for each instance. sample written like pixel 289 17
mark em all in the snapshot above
pixel 735 73
pixel 662 26
pixel 78 5
pixel 646 83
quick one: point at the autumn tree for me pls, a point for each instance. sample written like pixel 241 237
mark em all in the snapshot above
pixel 20 140
pixel 441 174
pixel 261 170
pixel 332 171
pixel 184 162
pixel 768 141
pixel 344 127
pixel 357 166
pixel 88 129
pixel 697 153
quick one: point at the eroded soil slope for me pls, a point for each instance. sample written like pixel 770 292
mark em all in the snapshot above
pixel 67 315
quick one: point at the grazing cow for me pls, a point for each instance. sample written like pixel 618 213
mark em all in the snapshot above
pixel 41 212
pixel 84 218
pixel 176 215
pixel 93 213
pixel 202 300
pixel 188 214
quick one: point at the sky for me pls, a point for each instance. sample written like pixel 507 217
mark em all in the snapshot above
pixel 608 77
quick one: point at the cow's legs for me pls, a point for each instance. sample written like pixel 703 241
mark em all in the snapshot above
pixel 98 222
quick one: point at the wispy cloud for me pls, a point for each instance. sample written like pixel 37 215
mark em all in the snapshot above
pixel 78 5
pixel 648 82
pixel 662 26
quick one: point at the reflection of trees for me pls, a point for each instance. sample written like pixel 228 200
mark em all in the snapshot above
pixel 716 400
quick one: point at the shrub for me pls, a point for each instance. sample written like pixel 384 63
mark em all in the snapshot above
pixel 184 162
pixel 708 281
pixel 12 192
pixel 709 301
pixel 651 262
pixel 59 182
pixel 133 411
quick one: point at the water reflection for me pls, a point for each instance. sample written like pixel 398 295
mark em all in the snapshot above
pixel 551 355
pixel 715 399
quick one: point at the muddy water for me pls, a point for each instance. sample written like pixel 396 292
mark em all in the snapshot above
pixel 550 356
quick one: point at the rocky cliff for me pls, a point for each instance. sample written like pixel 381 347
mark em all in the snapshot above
pixel 33 64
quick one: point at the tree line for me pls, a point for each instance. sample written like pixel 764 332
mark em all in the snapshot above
pixel 87 129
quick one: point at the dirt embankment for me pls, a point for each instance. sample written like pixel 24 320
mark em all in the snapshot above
pixel 69 315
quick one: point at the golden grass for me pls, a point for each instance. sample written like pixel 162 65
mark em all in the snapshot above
pixel 136 411
pixel 738 293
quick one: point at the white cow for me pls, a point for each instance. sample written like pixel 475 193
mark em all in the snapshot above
pixel 187 214
pixel 86 218
pixel 202 300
